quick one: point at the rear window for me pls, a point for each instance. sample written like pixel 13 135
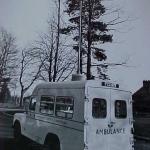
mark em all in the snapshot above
pixel 120 109
pixel 99 108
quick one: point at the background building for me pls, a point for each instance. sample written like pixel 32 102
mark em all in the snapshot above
pixel 141 110
pixel 141 100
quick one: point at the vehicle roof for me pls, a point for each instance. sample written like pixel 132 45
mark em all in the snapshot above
pixel 71 85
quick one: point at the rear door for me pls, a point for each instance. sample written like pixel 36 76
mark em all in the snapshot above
pixel 97 118
pixel 120 120
pixel 108 117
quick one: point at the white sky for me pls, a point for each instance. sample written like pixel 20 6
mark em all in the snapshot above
pixel 25 18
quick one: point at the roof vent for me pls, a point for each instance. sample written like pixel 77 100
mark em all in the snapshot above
pixel 77 77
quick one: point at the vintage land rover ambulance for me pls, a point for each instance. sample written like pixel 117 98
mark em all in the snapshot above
pixel 78 115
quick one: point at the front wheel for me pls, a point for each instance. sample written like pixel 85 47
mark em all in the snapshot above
pixel 17 132
pixel 18 138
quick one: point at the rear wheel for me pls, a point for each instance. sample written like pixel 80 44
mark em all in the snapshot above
pixel 52 144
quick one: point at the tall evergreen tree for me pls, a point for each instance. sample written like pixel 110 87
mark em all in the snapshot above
pixel 94 30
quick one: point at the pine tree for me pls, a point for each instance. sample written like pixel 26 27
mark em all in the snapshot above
pixel 94 30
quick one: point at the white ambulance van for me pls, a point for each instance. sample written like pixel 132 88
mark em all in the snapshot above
pixel 78 115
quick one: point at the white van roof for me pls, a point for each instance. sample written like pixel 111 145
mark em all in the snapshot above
pixel 70 84
pixel 76 84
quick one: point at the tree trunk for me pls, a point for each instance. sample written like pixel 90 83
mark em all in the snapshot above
pixel 21 98
pixel 88 75
pixel 57 44
pixel 81 69
pixel 51 59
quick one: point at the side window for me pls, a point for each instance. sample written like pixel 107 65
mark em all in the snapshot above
pixel 120 109
pixel 47 105
pixel 32 104
pixel 99 108
pixel 64 107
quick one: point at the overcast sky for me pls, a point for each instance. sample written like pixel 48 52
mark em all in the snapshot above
pixel 25 18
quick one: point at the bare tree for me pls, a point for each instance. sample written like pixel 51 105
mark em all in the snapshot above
pixel 58 61
pixel 8 58
pixel 28 75
pixel 8 54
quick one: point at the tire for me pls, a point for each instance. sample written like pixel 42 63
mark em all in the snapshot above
pixel 17 133
pixel 51 144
